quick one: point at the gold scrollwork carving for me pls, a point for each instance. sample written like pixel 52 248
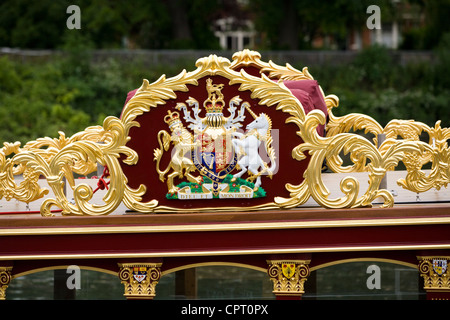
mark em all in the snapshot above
pixel 288 276
pixel 249 57
pixel 58 159
pixel 436 151
pixel 116 130
pixel 434 272
pixel 43 150
pixel 140 279
pixel 5 279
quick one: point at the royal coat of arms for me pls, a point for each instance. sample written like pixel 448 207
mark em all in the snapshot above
pixel 213 153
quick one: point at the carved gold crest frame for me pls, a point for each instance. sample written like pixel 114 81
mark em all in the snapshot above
pixel 57 160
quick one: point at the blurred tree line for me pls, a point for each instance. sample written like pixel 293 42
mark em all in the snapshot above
pixel 109 24
pixel 377 85
pixel 173 24
pixel 70 92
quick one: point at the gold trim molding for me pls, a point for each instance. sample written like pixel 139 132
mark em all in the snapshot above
pixel 224 226
pixel 282 250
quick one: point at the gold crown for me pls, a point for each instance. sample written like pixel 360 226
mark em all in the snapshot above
pixel 213 106
pixel 172 118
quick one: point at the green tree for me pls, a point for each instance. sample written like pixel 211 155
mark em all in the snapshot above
pixel 32 24
pixel 293 24
pixel 34 102
pixel 437 13
pixel 152 24
pixel 428 35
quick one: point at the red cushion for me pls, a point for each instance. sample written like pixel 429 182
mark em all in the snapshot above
pixel 305 99
pixel 312 87
pixel 308 105
pixel 129 96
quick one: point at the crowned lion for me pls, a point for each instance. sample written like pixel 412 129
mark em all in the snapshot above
pixel 183 142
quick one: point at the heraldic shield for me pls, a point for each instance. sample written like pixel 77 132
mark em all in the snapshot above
pixel 139 273
pixel 440 266
pixel 215 139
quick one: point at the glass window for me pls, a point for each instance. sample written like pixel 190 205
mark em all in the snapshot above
pixel 52 285
pixel 34 286
pixel 348 280
pixel 215 282
pixel 368 280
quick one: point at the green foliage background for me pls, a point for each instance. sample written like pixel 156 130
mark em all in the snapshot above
pixel 175 24
pixel 70 92
pixel 66 93
pixel 376 85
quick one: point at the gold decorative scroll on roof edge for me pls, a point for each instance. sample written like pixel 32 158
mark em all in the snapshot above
pixel 58 159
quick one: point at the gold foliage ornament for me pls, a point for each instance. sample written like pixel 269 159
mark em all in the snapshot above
pixel 288 276
pixel 139 279
pixel 5 279
pixel 414 153
pixel 434 272
pixel 58 159
pixel 435 151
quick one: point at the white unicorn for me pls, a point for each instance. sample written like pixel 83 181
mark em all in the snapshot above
pixel 247 148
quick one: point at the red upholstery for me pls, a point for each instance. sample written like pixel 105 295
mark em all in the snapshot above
pixel 305 98
pixel 129 96
pixel 308 92
pixel 312 88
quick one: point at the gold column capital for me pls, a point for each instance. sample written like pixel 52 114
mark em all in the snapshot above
pixel 140 279
pixel 5 279
pixel 288 276
pixel 434 270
